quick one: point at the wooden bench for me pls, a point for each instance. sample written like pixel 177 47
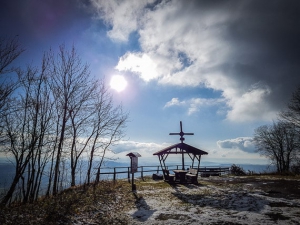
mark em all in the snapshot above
pixel 168 177
pixel 157 176
pixel 192 176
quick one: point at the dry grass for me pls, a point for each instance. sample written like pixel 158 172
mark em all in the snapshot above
pixel 85 203
pixel 109 202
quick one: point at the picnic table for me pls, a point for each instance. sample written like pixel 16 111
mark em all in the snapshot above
pixel 180 174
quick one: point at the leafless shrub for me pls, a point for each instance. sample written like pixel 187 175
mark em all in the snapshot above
pixel 237 170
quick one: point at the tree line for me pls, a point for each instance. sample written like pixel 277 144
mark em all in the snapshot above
pixel 280 141
pixel 52 117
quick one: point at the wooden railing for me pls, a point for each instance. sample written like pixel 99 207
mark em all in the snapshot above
pixel 145 170
pixel 213 171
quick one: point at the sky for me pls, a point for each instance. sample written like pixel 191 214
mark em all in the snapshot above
pixel 223 68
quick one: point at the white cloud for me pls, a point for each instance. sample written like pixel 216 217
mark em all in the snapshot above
pixel 174 102
pixel 138 63
pixel 193 105
pixel 146 149
pixel 251 104
pixel 196 103
pixel 123 16
pixel 183 44
pixel 245 144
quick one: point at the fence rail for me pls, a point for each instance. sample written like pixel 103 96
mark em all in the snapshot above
pixel 213 171
pixel 146 170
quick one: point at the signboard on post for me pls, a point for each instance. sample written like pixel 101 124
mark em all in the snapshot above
pixel 134 166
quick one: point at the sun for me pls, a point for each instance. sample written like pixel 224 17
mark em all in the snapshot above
pixel 118 83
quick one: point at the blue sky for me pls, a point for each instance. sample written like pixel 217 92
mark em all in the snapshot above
pixel 223 68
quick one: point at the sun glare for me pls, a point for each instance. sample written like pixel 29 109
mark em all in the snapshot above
pixel 118 83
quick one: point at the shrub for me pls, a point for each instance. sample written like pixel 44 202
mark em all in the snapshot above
pixel 237 170
pixel 295 169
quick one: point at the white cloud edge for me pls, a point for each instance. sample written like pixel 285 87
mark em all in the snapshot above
pixel 245 144
pixel 193 104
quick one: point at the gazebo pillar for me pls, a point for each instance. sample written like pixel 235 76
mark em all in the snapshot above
pixel 182 159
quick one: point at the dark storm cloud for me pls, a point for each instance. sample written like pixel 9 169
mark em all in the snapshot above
pixel 264 39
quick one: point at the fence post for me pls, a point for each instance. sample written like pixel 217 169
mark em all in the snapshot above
pixel 142 175
pixel 114 173
pixel 128 174
pixel 98 175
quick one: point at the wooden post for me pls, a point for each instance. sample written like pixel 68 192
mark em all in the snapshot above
pixel 142 175
pixel 128 174
pixel 98 175
pixel 114 173
pixel 133 188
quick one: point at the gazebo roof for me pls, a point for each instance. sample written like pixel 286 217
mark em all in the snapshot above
pixel 176 149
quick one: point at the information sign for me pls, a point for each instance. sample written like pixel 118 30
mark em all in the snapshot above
pixel 134 164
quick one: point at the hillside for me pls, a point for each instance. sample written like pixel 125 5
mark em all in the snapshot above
pixel 216 200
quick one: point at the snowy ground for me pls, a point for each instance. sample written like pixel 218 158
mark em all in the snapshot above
pixel 215 203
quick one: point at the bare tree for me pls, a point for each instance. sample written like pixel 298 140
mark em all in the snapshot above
pixel 56 120
pixel 26 127
pixel 80 113
pixel 70 80
pixel 292 114
pixel 41 114
pixel 59 113
pixel 109 122
pixel 86 112
pixel 279 143
pixel 10 50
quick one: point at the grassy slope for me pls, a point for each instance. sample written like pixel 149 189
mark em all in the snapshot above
pixel 104 203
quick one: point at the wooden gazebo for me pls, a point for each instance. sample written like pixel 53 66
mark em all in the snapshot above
pixel 182 149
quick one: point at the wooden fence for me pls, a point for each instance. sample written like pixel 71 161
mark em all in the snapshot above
pixel 147 170
pixel 213 171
